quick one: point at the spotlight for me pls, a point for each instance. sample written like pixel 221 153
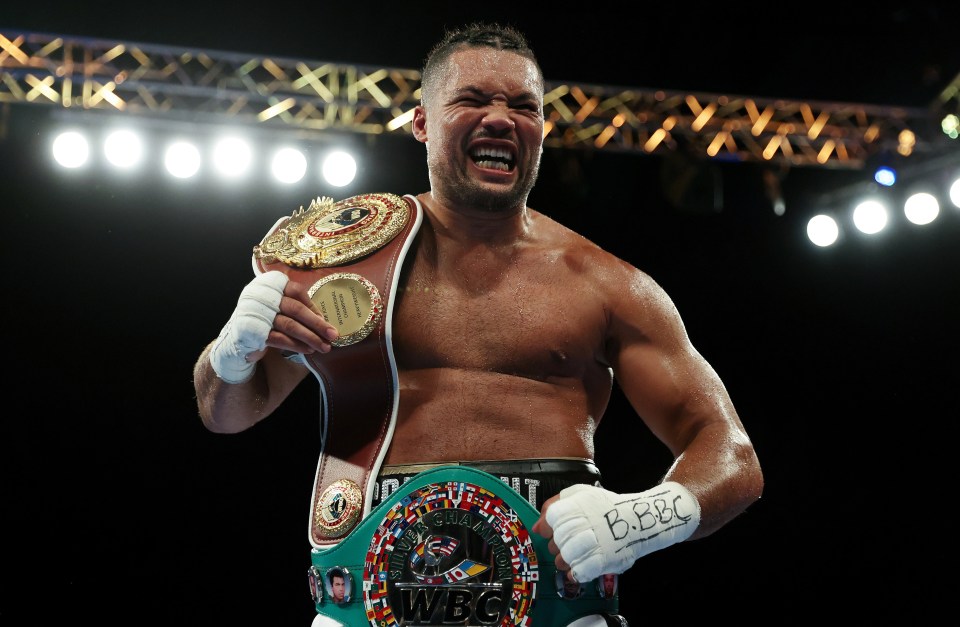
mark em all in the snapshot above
pixel 289 165
pixel 886 176
pixel 232 157
pixel 921 208
pixel 822 230
pixel 339 168
pixel 955 192
pixel 870 217
pixel 123 148
pixel 182 159
pixel 71 149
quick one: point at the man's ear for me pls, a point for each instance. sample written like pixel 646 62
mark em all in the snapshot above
pixel 420 124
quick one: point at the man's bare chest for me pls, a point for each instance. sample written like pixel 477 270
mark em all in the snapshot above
pixel 508 321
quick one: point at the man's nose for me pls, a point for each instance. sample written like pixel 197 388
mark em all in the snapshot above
pixel 498 120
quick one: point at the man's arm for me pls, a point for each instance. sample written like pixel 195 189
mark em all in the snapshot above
pixel 682 400
pixel 243 376
pixel 715 475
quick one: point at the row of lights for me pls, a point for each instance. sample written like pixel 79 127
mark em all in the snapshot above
pixel 231 157
pixel 872 214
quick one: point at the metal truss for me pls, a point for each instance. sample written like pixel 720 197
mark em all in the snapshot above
pixel 81 74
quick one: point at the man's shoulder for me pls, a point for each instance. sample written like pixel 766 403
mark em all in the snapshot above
pixel 587 253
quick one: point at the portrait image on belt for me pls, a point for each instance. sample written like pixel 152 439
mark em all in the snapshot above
pixel 338 585
pixel 456 377
pixel 607 585
pixel 567 588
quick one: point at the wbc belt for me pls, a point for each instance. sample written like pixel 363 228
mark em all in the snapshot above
pixel 452 546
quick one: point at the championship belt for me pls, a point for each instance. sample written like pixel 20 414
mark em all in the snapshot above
pixel 451 546
pixel 350 253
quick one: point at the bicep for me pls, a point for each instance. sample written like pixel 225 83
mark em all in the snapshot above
pixel 670 385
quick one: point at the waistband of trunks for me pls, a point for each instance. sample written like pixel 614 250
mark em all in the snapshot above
pixel 534 479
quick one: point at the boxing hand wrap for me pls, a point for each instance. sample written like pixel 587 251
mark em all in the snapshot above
pixel 599 532
pixel 248 327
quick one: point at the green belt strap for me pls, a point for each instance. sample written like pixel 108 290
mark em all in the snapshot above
pixel 452 545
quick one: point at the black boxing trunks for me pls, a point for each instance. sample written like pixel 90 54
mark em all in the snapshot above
pixel 453 545
pixel 534 479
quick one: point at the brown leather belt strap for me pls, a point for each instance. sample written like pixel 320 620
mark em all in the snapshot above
pixel 359 384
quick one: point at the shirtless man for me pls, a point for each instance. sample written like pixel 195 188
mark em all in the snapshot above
pixel 508 329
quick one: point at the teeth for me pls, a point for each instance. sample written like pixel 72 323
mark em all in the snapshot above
pixel 494 158
pixel 493 165
pixel 499 153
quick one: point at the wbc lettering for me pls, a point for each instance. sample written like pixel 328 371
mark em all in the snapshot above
pixel 450 606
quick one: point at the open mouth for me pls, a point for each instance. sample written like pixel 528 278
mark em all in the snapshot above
pixel 493 158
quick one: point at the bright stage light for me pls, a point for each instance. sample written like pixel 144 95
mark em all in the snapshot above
pixel 339 168
pixel 182 159
pixel 232 157
pixel 289 165
pixel 921 208
pixel 822 230
pixel 886 176
pixel 955 192
pixel 870 217
pixel 123 148
pixel 71 149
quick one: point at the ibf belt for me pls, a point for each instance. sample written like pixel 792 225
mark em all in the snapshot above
pixel 452 546
pixel 349 253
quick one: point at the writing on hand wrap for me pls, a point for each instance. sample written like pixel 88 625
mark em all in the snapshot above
pixel 638 520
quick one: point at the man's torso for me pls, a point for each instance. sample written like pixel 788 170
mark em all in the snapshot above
pixel 500 351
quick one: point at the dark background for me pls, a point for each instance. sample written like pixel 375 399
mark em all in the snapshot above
pixel 120 508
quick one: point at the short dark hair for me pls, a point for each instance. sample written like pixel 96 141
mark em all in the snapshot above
pixel 335 572
pixel 475 35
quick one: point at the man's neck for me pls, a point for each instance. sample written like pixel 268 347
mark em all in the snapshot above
pixel 470 224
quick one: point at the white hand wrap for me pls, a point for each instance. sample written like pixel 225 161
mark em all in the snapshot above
pixel 247 329
pixel 598 531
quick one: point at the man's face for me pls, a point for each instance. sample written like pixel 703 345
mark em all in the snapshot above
pixel 483 126
pixel 609 585
pixel 339 588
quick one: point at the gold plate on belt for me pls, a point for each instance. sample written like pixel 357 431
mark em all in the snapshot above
pixel 332 233
pixel 349 302
pixel 338 508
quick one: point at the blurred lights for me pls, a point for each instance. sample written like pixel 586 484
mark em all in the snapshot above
pixel 339 168
pixel 233 157
pixel 289 165
pixel 906 142
pixel 71 149
pixel 823 230
pixel 886 176
pixel 950 125
pixel 921 205
pixel 182 159
pixel 921 208
pixel 870 216
pixel 230 157
pixel 123 148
